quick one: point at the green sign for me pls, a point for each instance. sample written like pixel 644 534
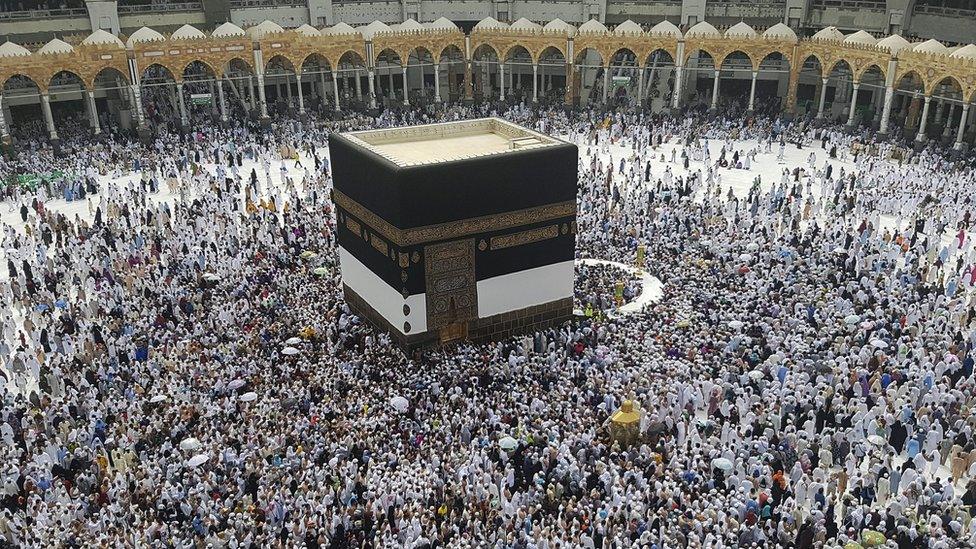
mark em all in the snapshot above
pixel 201 99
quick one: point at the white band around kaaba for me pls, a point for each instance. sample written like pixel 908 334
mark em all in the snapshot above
pixel 384 299
pixel 526 288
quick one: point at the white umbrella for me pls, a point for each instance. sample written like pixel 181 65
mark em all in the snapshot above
pixel 248 396
pixel 852 319
pixel 507 443
pixel 197 460
pixel 399 404
pixel 756 375
pixel 752 246
pixel 877 440
pixel 879 343
pixel 190 444
pixel 210 277
pixel 722 463
pixel 293 341
pixel 736 324
pixel 746 257
pixel 157 398
pixel 289 351
pixel 236 384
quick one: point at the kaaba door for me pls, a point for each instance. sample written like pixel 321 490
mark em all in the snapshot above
pixel 452 288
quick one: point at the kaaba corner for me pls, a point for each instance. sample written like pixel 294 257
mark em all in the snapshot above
pixel 459 230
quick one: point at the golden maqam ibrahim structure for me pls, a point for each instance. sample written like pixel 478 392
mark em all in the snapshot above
pixel 658 67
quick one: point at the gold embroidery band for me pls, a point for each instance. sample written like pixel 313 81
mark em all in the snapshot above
pixel 379 244
pixel 524 237
pixel 454 229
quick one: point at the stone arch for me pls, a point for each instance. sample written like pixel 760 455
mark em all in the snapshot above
pixel 545 47
pixel 97 71
pixel 650 57
pixel 455 51
pixel 735 53
pixel 481 53
pixel 282 61
pixel 321 60
pixel 389 54
pixel 105 70
pixel 582 53
pixel 517 48
pixel 784 58
pixel 840 63
pixel 239 60
pixel 936 81
pixel 153 74
pixel 623 49
pixel 901 75
pixel 68 73
pixel 349 56
pixel 420 51
pixel 863 70
pixel 820 65
pixel 714 54
pixel 548 51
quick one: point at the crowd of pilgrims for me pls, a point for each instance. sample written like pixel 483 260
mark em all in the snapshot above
pixel 603 287
pixel 806 380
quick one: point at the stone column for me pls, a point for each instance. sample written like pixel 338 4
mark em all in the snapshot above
pixel 606 83
pixel 4 131
pixel 468 84
pixel 261 98
pixel 752 92
pixel 48 117
pixel 92 111
pixel 962 126
pixel 718 75
pixel 640 86
pixel 920 136
pixel 406 88
pixel 137 97
pixel 437 82
pixel 370 80
pixel 359 85
pixel 886 111
pixel 823 98
pixel 535 83
pixel 676 98
pixel 501 80
pixel 301 95
pixel 223 104
pixel 335 87
pixel 184 120
pixel 250 94
pixel 323 90
pixel 947 129
pixel 850 116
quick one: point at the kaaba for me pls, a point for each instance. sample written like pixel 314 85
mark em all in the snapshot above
pixel 458 230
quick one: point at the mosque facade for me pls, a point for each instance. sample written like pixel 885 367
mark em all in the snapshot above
pixel 830 74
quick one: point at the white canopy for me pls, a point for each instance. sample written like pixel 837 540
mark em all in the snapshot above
pixel 703 29
pixel 593 26
pixel 665 28
pixel 102 37
pixel 308 30
pixel 227 30
pixel 9 49
pixel 187 32
pixel 779 31
pixel 628 27
pixel 263 29
pixel 490 23
pixel 55 46
pixel 525 24
pixel 741 30
pixel 370 30
pixel 861 37
pixel 145 34
pixel 829 33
